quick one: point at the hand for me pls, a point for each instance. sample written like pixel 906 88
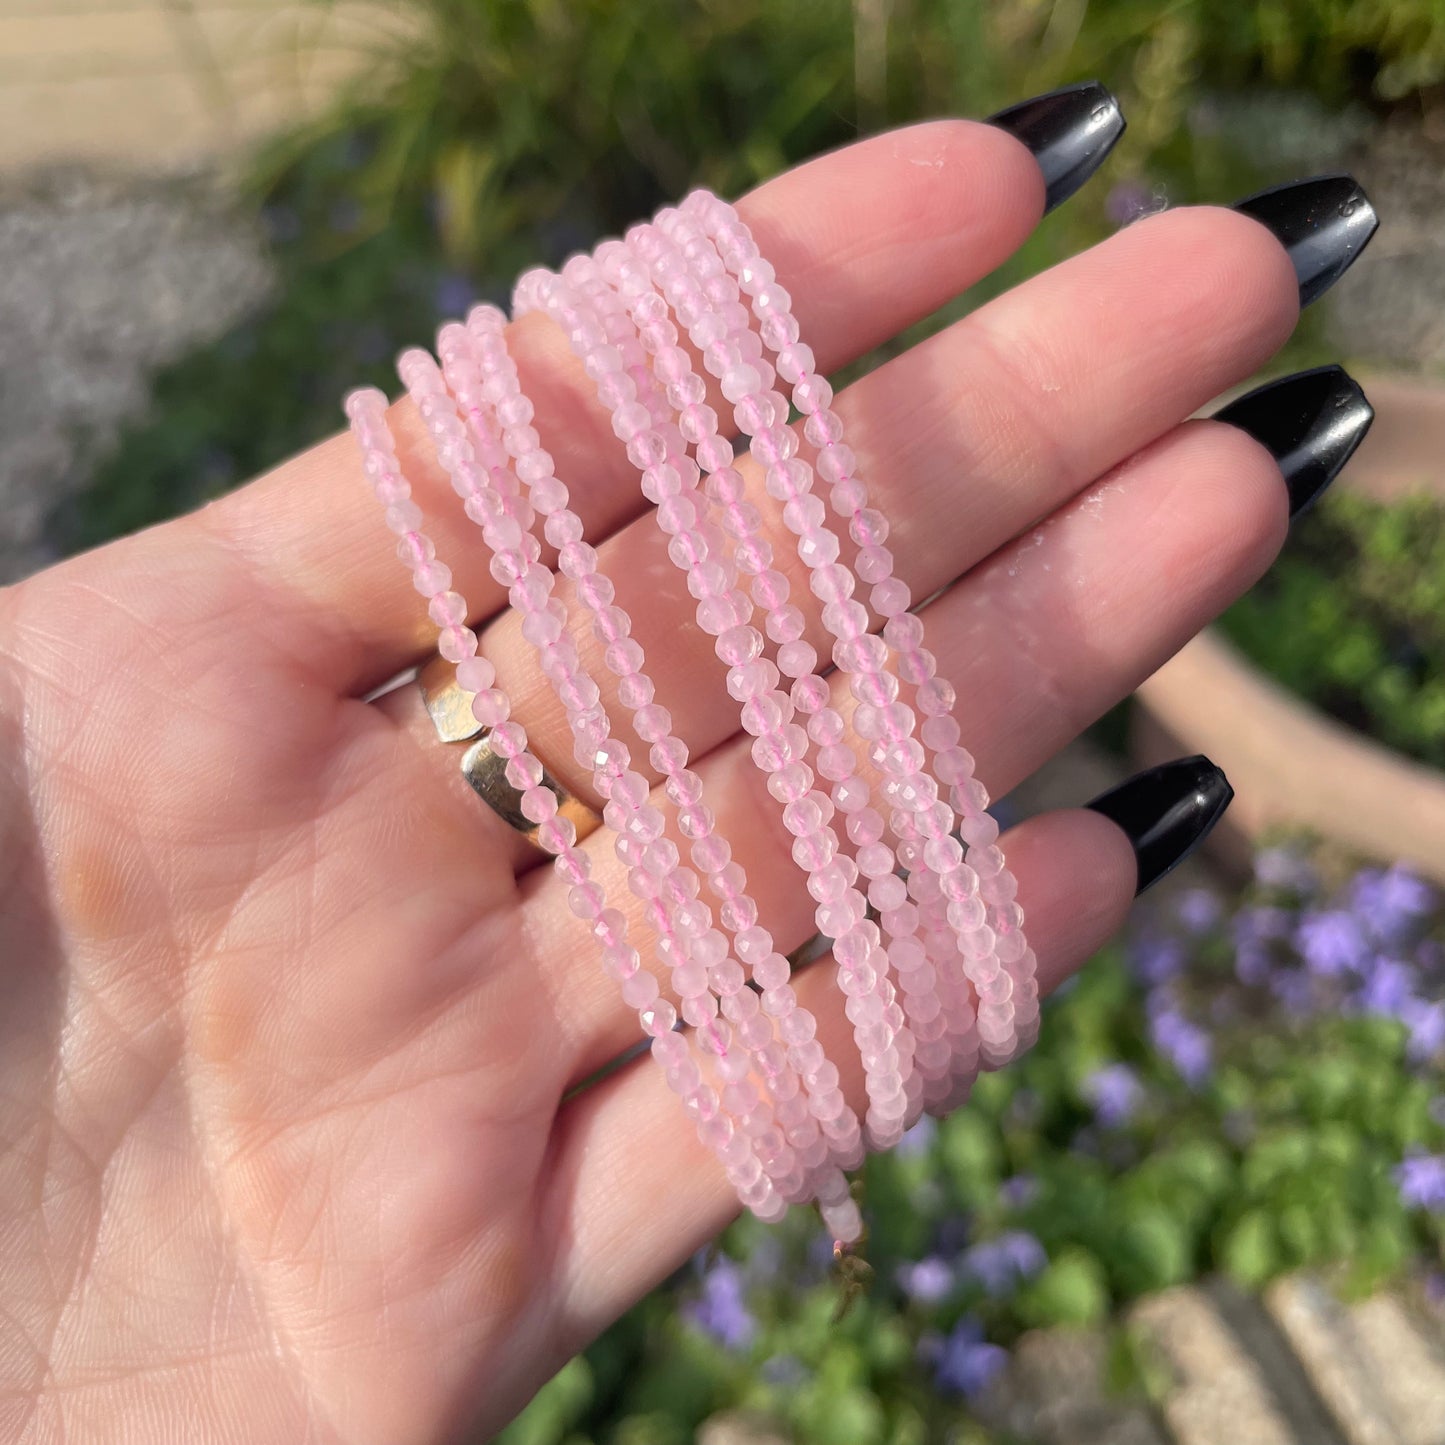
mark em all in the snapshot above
pixel 289 1018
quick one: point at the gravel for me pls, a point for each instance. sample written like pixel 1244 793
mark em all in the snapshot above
pixel 102 280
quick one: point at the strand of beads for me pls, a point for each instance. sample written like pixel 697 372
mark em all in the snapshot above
pixel 530 586
pixel 696 952
pixel 732 358
pixel 795 1025
pixel 782 746
pixel 1007 1008
pixel 995 977
pixel 721 607
pixel 752 1073
pixel 917 818
pixel 700 544
pixel 648 448
pixel 879 717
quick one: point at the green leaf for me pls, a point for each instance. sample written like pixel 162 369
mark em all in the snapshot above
pixel 847 1417
pixel 1156 1249
pixel 1073 1290
pixel 1248 1250
pixel 971 1153
pixel 555 1408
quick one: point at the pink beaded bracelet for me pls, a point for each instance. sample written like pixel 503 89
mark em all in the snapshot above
pixel 673 484
pixel 912 890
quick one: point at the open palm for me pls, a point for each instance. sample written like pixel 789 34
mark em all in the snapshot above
pixel 289 1021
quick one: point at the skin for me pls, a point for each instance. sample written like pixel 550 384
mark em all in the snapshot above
pixel 288 1018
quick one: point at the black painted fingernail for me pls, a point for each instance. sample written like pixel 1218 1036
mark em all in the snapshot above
pixel 1324 223
pixel 1070 131
pixel 1167 812
pixel 1311 421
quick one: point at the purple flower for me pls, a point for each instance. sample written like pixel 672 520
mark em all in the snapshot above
pixel 819 1257
pixel 1115 1093
pixel 1295 990
pixel 1390 902
pixel 1254 930
pixel 1251 963
pixel 1020 1191
pixel 1284 868
pixel 1389 989
pixel 952 1233
pixel 765 1258
pixel 1262 922
pixel 721 1310
pixel 918 1140
pixel 1332 942
pixel 1184 1044
pixel 1421 1182
pixel 1155 959
pixel 964 1363
pixel 1426 1022
pixel 1198 910
pixel 928 1281
pixel 1001 1265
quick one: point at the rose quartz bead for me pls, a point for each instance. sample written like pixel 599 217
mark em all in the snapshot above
pixel 531 593
pixel 678 1056
pixel 788 481
pixel 707 581
pixel 775 748
pixel 943 982
pixel 650 448
pixel 836 462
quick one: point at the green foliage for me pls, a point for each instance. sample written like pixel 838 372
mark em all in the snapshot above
pixel 508 109
pixel 1073 1290
pixel 1281 1153
pixel 555 1409
pixel 486 135
pixel 1352 617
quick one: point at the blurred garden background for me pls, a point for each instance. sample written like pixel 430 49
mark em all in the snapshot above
pixel 1211 1205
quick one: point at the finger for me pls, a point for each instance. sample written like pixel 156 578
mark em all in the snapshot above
pixel 869 239
pixel 634 1190
pixel 967 440
pixel 1040 640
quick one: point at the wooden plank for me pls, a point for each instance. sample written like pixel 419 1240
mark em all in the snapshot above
pixel 1218 1396
pixel 1409 1371
pixel 1319 1332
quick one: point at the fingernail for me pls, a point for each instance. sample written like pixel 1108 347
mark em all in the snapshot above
pixel 1311 422
pixel 1070 131
pixel 1324 223
pixel 1167 812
